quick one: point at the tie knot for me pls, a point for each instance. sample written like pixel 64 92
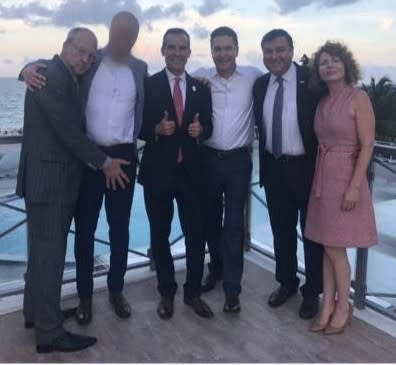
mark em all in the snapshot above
pixel 177 80
pixel 279 80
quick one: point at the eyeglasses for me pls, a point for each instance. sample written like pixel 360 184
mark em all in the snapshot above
pixel 82 52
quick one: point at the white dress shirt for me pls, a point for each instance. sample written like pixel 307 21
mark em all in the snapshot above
pixel 232 103
pixel 110 110
pixel 292 143
pixel 182 83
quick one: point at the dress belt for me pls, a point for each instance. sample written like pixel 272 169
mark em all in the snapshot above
pixel 226 153
pixel 323 150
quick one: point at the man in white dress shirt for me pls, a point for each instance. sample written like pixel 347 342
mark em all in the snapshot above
pixel 113 94
pixel 228 163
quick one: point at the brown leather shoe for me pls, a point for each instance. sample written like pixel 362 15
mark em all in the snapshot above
pixel 120 304
pixel 199 306
pixel 84 312
pixel 165 308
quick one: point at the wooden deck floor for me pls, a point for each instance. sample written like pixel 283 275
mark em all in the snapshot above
pixel 258 334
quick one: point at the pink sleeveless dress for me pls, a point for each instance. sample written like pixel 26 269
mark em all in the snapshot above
pixel 326 222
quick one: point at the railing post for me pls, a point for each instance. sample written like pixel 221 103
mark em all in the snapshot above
pixel 360 283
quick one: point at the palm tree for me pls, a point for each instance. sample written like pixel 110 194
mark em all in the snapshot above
pixel 383 96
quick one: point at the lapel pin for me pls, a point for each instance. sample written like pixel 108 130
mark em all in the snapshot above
pixel 194 88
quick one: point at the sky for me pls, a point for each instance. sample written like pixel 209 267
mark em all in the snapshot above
pixel 31 29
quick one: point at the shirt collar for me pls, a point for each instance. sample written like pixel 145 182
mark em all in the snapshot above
pixel 237 72
pixel 172 77
pixel 287 76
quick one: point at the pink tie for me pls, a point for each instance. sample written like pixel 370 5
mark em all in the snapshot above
pixel 178 103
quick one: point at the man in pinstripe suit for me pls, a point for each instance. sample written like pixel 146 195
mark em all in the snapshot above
pixel 54 150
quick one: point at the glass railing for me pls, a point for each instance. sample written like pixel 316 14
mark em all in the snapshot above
pixel 374 270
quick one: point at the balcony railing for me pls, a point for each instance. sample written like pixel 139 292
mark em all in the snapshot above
pixel 373 281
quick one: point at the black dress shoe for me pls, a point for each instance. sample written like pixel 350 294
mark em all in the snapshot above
pixel 165 308
pixel 68 342
pixel 232 304
pixel 67 313
pixel 309 307
pixel 199 306
pixel 281 295
pixel 120 304
pixel 210 282
pixel 84 312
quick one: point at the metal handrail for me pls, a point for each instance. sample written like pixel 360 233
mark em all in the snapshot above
pixel 359 284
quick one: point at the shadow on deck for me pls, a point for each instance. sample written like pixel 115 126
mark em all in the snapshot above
pixel 258 334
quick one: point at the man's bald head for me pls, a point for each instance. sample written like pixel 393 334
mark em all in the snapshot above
pixel 124 30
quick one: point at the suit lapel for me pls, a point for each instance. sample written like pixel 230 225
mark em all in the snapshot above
pixel 189 98
pixel 301 86
pixel 136 75
pixel 166 91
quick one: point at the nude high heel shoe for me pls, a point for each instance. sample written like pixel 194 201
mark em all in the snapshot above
pixel 331 330
pixel 319 327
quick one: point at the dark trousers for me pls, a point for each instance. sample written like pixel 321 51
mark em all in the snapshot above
pixel 159 207
pixel 118 205
pixel 228 178
pixel 287 184
pixel 48 226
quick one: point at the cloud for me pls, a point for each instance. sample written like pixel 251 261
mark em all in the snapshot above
pixel 200 31
pixel 386 22
pixel 93 12
pixel 289 6
pixel 209 7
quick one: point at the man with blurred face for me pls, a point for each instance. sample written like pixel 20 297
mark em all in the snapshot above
pixel 284 109
pixel 228 164
pixel 177 118
pixel 54 149
pixel 113 95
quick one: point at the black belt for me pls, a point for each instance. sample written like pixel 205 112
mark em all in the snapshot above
pixel 284 158
pixel 116 147
pixel 226 153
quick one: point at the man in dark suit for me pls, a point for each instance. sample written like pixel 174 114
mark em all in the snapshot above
pixel 284 109
pixel 177 118
pixel 113 96
pixel 54 150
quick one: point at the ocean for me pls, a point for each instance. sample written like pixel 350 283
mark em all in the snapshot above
pixel 12 93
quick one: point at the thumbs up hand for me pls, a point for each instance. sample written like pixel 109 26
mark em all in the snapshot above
pixel 195 128
pixel 165 127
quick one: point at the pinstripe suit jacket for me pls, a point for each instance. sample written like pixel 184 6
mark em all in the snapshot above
pixel 54 146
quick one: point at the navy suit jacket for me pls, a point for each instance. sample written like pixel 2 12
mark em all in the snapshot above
pixel 139 71
pixel 159 160
pixel 307 102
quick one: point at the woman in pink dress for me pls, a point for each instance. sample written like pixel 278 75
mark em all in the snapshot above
pixel 340 211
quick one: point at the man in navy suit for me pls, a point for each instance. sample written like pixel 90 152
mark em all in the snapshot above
pixel 284 109
pixel 176 119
